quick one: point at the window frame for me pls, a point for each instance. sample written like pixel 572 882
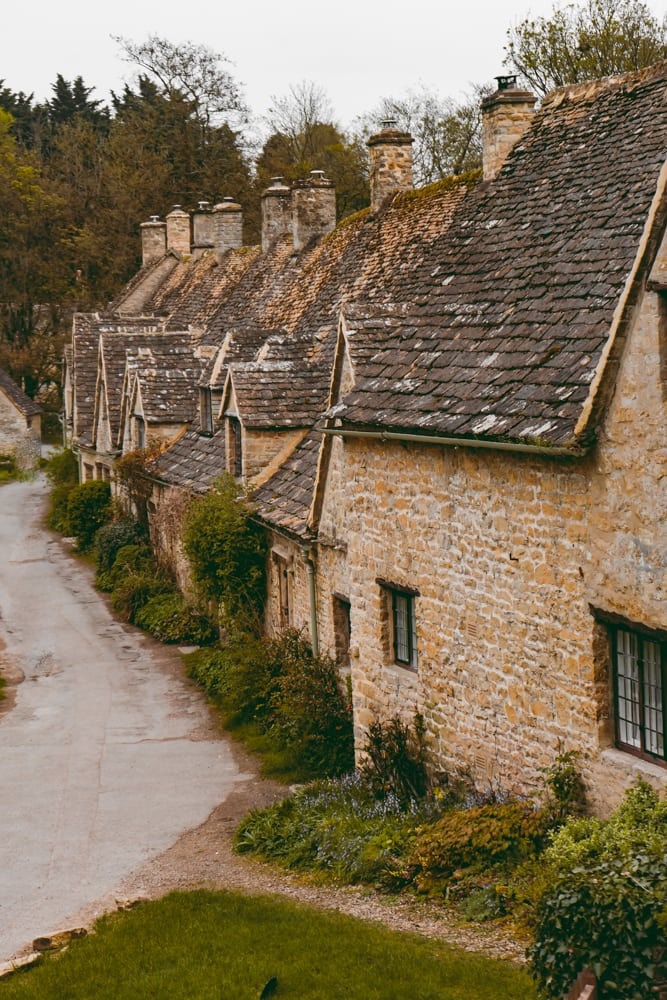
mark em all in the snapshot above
pixel 641 714
pixel 206 411
pixel 393 592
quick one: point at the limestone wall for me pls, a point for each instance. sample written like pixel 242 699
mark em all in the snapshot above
pixel 509 554
pixel 19 436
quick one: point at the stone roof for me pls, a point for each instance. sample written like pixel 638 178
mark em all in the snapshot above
pixel 193 462
pixel 86 331
pixel 115 346
pixel 509 313
pixel 284 501
pixel 27 406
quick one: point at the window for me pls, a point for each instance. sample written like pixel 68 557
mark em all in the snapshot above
pixel 235 448
pixel 401 634
pixel 282 570
pixel 639 660
pixel 206 408
pixel 404 630
pixel 341 624
pixel 141 432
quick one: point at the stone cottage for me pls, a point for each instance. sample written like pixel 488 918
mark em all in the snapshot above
pixel 20 424
pixel 452 409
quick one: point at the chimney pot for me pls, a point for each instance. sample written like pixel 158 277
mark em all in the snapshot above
pixel 276 212
pixel 203 223
pixel 228 226
pixel 506 115
pixel 390 152
pixel 313 209
pixel 178 231
pixel 153 240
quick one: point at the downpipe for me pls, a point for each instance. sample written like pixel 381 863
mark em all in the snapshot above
pixel 307 556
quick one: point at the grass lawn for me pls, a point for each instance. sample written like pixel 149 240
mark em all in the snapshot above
pixel 220 946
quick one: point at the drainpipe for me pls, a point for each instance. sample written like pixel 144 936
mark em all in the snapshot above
pixel 307 556
pixel 574 451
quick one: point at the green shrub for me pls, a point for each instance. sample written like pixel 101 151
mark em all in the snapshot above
pixel 9 470
pixel 394 758
pixel 311 713
pixel 63 472
pixel 137 558
pixel 279 689
pixel 466 842
pixel 62 467
pixel 566 795
pixel 227 553
pixel 610 916
pixel 601 897
pixel 56 518
pixel 111 538
pixel 88 508
pixel 170 618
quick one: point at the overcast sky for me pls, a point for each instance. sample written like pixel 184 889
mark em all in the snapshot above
pixel 357 51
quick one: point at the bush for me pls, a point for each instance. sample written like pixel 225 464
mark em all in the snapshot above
pixel 111 538
pixel 88 508
pixel 227 553
pixel 277 688
pixel 63 472
pixel 170 618
pixel 62 467
pixel 311 713
pixel 394 758
pixel 466 842
pixel 603 900
pixel 610 916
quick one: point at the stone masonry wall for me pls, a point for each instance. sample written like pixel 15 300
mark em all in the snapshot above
pixel 299 600
pixel 16 437
pixel 261 446
pixel 509 553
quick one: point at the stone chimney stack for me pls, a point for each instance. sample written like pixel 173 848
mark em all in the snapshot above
pixel 390 153
pixel 313 208
pixel 153 240
pixel 227 226
pixel 178 231
pixel 505 117
pixel 202 228
pixel 276 212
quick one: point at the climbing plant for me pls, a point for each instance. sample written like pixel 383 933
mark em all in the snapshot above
pixel 227 553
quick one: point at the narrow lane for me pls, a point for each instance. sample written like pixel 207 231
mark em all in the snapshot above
pixel 108 755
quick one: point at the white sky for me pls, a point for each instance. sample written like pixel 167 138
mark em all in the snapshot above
pixel 358 52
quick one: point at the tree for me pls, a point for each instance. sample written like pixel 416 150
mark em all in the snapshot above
pixel 599 38
pixel 447 134
pixel 35 267
pixel 191 73
pixel 304 138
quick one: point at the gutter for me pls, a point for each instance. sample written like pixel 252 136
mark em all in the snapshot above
pixel 530 449
pixel 307 556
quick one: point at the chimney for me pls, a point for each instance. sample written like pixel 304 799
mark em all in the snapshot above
pixel 390 153
pixel 505 117
pixel 227 226
pixel 178 231
pixel 153 240
pixel 276 212
pixel 313 208
pixel 202 228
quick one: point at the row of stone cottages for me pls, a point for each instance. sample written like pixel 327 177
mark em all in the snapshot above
pixel 451 408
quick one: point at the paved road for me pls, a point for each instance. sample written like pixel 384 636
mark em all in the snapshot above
pixel 108 755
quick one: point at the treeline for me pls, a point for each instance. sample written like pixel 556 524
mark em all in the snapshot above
pixel 78 176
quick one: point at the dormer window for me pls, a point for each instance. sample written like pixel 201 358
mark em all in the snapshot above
pixel 235 446
pixel 206 411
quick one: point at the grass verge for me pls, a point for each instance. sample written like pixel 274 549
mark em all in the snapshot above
pixel 211 945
